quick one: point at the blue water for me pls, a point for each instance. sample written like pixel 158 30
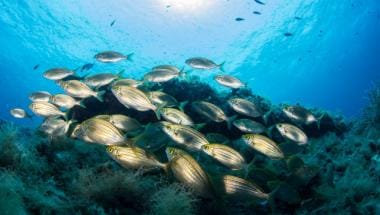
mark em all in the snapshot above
pixel 330 61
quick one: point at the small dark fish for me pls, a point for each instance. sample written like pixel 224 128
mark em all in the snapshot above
pixel 86 67
pixel 257 12
pixel 287 34
pixel 239 19
pixel 259 2
pixel 297 18
pixel 36 66
pixel 112 23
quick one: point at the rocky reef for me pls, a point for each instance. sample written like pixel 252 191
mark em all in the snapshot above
pixel 337 172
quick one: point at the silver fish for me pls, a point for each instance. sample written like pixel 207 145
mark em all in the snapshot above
pixel 111 57
pixel 78 133
pixel 210 111
pixel 203 63
pixel 122 122
pixel 245 107
pixel 229 81
pixel 45 109
pixel 174 69
pixel 225 155
pixel 176 117
pixel 160 75
pixel 185 136
pixel 80 90
pixel 240 187
pixel 101 131
pixel 132 157
pixel 65 101
pixel 187 170
pixel 57 74
pixel 40 96
pixel 159 98
pixel 249 126
pixel 19 113
pixel 55 126
pixel 134 98
pixel 299 114
pixel 263 145
pixel 127 82
pixel 101 79
pixel 293 133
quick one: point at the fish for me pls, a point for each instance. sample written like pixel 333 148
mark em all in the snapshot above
pixel 259 2
pixel 257 12
pixel 249 126
pixel 238 19
pixel 86 67
pixel 297 18
pixel 161 75
pixel 187 170
pixel 36 66
pixel 209 110
pixel 80 90
pixel 245 107
pixel 236 186
pixel 288 34
pixel 127 82
pixel 292 132
pixel 101 132
pixel 217 138
pixel 263 145
pixel 299 114
pixel 226 155
pixel 78 133
pixel 134 98
pixel 160 98
pixel 45 109
pixel 102 79
pixel 40 96
pixel 133 157
pixel 19 113
pixel 122 122
pixel 113 22
pixel 185 136
pixel 203 63
pixel 176 117
pixel 53 126
pixel 172 68
pixel 65 101
pixel 111 57
pixel 56 74
pixel 229 81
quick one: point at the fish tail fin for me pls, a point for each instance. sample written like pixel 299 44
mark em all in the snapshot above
pixel 65 115
pixel 318 120
pixel 266 116
pixel 120 73
pixel 230 120
pixel 130 57
pixel 81 104
pixel 157 111
pixel 199 126
pixel 247 167
pixel 182 105
pixel 99 95
pixel 221 66
pixel 166 167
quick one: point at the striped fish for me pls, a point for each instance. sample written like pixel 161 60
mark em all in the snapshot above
pixel 239 187
pixel 101 131
pixel 122 122
pixel 134 157
pixel 187 170
pixel 225 155
pixel 263 145
pixel 46 109
pixel 185 136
